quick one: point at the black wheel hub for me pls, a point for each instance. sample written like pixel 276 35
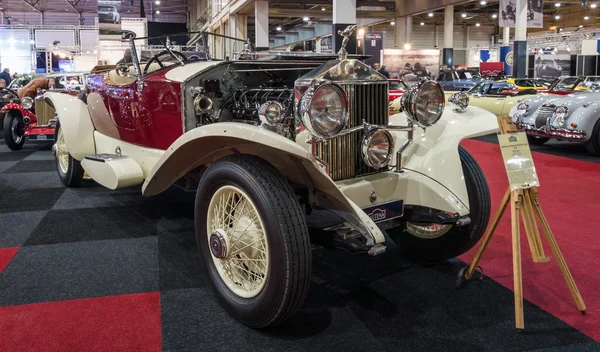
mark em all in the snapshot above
pixel 218 245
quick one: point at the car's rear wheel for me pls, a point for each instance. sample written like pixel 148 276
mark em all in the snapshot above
pixel 593 144
pixel 434 242
pixel 533 140
pixel 14 131
pixel 253 240
pixel 69 169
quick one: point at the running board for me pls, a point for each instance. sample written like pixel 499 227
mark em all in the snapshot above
pixel 113 171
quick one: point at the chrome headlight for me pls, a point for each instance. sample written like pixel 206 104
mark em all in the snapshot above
pixel 377 148
pixel 27 103
pixel 202 104
pixel 560 113
pixel 324 110
pixel 424 103
pixel 271 112
pixel 460 100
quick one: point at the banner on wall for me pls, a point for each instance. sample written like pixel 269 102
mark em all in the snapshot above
pixel 490 69
pixel 508 13
pixel 372 45
pixel 109 19
pixel 551 66
pixel 411 65
pixel 507 57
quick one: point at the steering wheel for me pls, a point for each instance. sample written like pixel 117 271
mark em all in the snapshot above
pixel 3 92
pixel 162 53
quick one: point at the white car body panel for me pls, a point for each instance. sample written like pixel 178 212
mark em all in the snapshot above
pixel 434 153
pixel 75 123
pixel 182 73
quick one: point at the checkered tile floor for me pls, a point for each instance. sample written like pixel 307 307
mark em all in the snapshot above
pixel 90 269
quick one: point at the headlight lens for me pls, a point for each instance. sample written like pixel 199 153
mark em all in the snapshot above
pixel 460 100
pixel 27 102
pixel 558 118
pixel 271 112
pixel 424 103
pixel 377 148
pixel 324 110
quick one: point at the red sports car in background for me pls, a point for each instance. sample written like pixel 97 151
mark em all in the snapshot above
pixel 397 87
pixel 26 117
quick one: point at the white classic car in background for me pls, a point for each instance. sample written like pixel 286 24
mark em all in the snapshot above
pixel 574 118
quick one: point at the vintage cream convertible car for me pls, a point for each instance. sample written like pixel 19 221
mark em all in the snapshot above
pixel 265 142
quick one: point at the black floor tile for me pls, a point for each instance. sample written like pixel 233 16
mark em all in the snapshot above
pixel 33 166
pixel 80 270
pixel 14 155
pixel 179 260
pixel 28 200
pixel 74 225
pixel 15 228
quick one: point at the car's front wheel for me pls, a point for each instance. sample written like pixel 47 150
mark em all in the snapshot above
pixel 434 242
pixel 69 169
pixel 533 140
pixel 14 131
pixel 253 240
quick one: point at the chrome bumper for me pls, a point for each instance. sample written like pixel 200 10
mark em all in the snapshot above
pixel 552 132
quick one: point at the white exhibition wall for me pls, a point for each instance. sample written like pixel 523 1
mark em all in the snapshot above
pixel 15 52
pixel 45 37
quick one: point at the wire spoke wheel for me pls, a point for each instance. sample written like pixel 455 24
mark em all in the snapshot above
pixel 62 155
pixel 15 129
pixel 427 231
pixel 238 241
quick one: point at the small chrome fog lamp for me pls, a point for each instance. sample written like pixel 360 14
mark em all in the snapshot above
pixel 377 148
pixel 271 112
pixel 460 101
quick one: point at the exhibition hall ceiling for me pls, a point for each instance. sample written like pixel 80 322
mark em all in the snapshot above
pixel 288 14
pixel 72 12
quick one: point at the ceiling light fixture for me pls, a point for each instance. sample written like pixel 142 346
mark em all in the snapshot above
pixel 494 16
pixel 463 15
pixel 157 2
pixel 477 24
pixel 306 19
pixel 593 6
pixel 430 14
pixel 422 23
pixel 158 12
pixel 557 17
pixel 586 17
pixel 392 23
pixel 322 9
pixel 580 26
pixel 557 4
pixel 278 28
pixel 483 2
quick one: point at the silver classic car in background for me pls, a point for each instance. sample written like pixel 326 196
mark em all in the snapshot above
pixel 574 118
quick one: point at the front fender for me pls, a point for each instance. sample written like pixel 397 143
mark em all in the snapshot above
pixel 19 108
pixel 75 123
pixel 206 144
pixel 434 152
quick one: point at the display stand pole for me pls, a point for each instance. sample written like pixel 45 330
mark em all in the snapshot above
pixel 523 202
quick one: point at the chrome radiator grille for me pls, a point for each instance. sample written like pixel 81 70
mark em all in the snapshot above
pixel 368 102
pixel 542 115
pixel 43 112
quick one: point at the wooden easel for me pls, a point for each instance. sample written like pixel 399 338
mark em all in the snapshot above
pixel 525 202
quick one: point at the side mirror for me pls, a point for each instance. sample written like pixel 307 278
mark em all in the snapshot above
pixel 122 69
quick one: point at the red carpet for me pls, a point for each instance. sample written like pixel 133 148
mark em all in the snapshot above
pixel 570 198
pixel 113 323
pixel 6 255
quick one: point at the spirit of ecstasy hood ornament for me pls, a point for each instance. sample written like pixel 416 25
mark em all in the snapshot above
pixel 346 34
